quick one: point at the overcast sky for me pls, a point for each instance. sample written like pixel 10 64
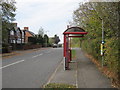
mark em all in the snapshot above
pixel 52 15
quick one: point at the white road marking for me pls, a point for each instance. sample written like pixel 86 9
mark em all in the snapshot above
pixel 40 54
pixel 37 55
pixel 12 64
pixel 53 74
pixel 77 76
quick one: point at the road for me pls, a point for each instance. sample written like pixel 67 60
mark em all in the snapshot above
pixel 30 70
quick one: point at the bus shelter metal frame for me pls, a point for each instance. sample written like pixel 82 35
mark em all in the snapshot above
pixel 72 32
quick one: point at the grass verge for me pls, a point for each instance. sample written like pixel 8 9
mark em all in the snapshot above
pixel 59 85
pixel 73 54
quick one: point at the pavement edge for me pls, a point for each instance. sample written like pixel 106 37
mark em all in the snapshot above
pixel 52 76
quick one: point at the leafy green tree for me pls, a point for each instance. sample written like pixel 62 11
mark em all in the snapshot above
pixel 46 40
pixel 41 31
pixel 8 15
pixel 32 40
pixel 56 39
pixel 40 36
pixel 40 39
pixel 89 16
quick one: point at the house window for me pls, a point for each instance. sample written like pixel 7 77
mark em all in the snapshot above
pixel 12 33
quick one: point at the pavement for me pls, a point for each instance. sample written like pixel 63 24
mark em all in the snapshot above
pixel 83 74
pixel 65 77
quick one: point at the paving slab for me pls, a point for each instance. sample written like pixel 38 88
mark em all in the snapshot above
pixel 88 75
pixel 65 76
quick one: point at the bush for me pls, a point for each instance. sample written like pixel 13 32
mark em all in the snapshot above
pixel 111 54
pixel 32 40
pixel 92 46
pixel 6 48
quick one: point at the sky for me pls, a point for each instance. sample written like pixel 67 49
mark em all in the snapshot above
pixel 52 15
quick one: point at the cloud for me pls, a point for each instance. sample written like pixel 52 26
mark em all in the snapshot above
pixel 52 15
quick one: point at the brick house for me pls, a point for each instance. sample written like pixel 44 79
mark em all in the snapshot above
pixel 27 34
pixel 18 37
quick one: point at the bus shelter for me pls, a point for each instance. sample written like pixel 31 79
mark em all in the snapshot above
pixel 72 32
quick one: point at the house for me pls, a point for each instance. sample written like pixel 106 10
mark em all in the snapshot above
pixel 27 34
pixel 18 37
pixel 15 35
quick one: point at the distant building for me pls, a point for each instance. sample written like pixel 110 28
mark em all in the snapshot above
pixel 18 36
pixel 27 34
pixel 13 36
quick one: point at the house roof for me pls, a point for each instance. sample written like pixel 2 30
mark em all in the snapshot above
pixel 30 32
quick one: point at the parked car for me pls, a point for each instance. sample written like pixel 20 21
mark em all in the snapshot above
pixel 55 45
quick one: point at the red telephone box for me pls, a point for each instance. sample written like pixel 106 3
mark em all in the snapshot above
pixel 70 32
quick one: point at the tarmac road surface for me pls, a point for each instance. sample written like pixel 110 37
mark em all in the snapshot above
pixel 30 70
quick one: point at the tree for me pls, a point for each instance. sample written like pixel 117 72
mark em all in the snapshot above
pixel 89 16
pixel 32 40
pixel 56 39
pixel 8 14
pixel 41 31
pixel 40 39
pixel 46 40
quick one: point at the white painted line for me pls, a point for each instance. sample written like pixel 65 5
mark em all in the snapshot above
pixel 12 64
pixel 35 56
pixel 40 54
pixel 77 76
pixel 53 74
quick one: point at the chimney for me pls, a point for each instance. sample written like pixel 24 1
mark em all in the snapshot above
pixel 26 28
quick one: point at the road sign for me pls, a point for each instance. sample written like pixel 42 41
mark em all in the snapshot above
pixel 103 42
pixel 101 49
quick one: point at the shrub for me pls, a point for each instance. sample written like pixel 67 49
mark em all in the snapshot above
pixel 111 54
pixel 92 46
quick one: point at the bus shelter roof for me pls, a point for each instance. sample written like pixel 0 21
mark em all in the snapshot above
pixel 75 32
